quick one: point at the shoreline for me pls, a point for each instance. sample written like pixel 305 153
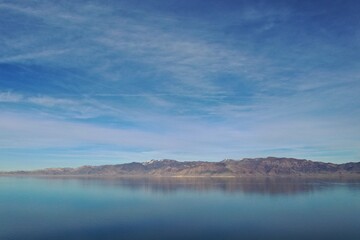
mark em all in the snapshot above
pixel 174 177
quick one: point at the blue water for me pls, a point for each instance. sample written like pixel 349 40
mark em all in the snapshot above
pixel 56 208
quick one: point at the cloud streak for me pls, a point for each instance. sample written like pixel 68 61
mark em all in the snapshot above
pixel 207 82
pixel 9 97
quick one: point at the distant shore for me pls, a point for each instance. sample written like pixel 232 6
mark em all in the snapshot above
pixel 244 168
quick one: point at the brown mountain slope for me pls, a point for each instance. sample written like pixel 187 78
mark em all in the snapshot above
pixel 269 166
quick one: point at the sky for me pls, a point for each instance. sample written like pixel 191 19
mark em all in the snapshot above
pixel 107 82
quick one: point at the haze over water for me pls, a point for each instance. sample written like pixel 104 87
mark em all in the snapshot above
pixel 160 208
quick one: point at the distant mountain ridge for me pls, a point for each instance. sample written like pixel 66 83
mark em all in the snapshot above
pixel 247 167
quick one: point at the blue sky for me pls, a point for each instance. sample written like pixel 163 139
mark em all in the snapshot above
pixel 105 82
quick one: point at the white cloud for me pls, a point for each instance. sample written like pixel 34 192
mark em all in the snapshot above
pixel 182 64
pixel 10 97
pixel 32 55
pixel 183 138
pixel 186 59
pixel 50 101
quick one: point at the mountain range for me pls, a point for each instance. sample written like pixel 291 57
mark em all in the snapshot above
pixel 247 167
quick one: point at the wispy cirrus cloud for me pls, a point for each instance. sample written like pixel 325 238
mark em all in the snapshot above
pixel 38 100
pixel 187 60
pixel 9 97
pixel 173 79
pixel 50 101
pixel 211 141
pixel 31 56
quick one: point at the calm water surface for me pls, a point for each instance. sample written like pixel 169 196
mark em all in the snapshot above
pixel 55 208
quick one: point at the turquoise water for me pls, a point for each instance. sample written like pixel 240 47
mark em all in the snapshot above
pixel 56 208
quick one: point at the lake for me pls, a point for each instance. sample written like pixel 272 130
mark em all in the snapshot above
pixel 162 208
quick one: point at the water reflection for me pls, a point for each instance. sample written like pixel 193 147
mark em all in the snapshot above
pixel 178 208
pixel 263 186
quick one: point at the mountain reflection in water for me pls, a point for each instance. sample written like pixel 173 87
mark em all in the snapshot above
pixel 263 186
pixel 41 208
